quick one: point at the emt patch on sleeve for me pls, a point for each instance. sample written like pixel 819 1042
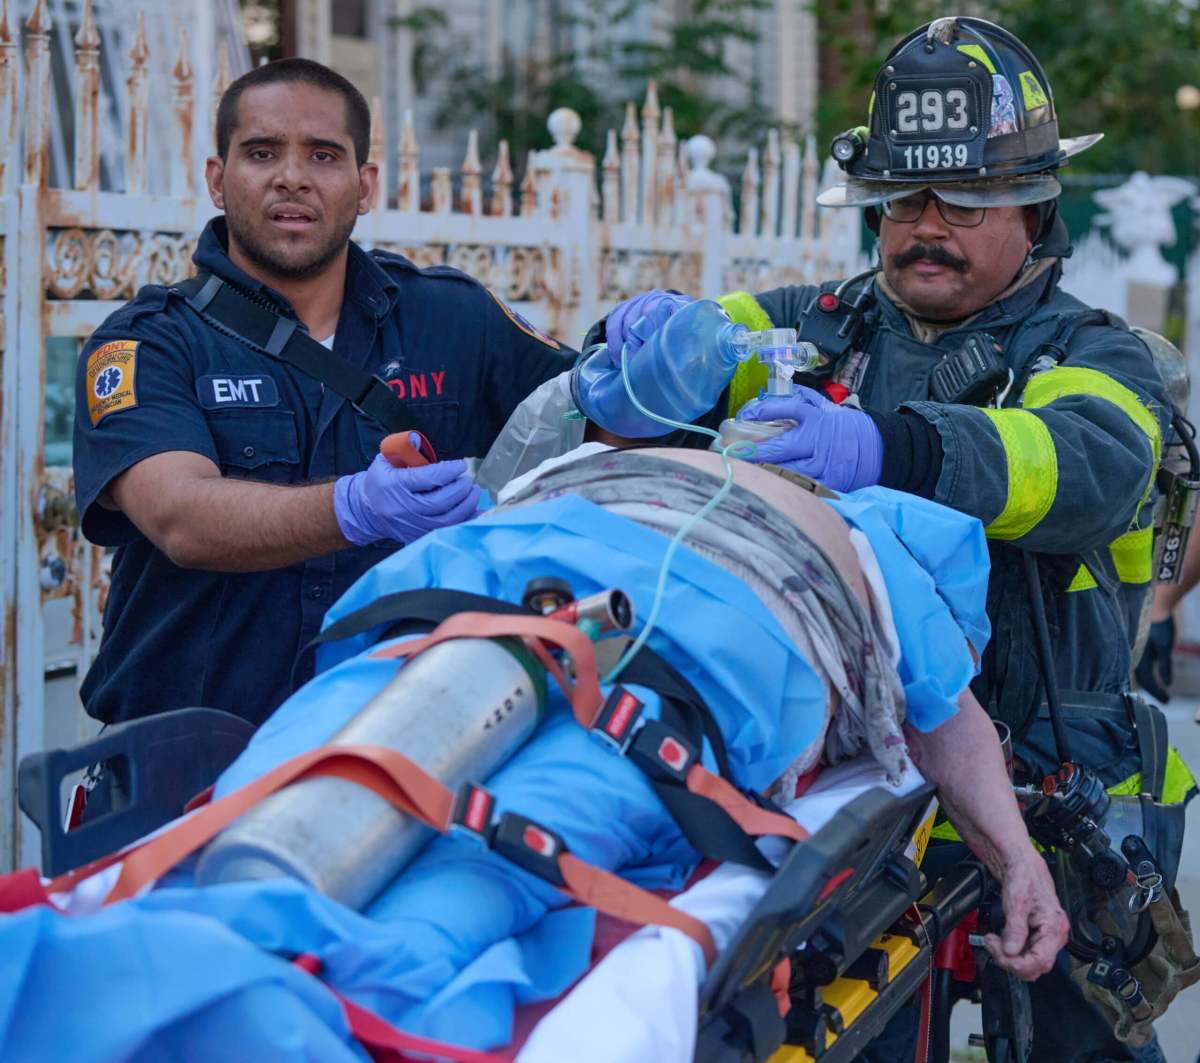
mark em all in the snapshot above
pixel 111 369
pixel 522 324
pixel 220 392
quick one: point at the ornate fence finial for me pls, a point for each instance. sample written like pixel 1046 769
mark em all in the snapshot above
pixel 376 155
pixel 182 167
pixel 502 182
pixel 770 185
pixel 529 187
pixel 37 93
pixel 564 126
pixel 791 188
pixel 629 165
pixel 664 196
pixel 679 215
pixel 650 116
pixel 87 98
pixel 408 190
pixel 442 190
pixel 8 99
pixel 221 80
pixel 139 111
pixel 748 225
pixel 810 179
pixel 472 190
pixel 610 208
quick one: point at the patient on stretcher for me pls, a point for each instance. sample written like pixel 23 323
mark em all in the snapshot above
pixel 814 629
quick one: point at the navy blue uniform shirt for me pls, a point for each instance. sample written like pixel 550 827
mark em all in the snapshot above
pixel 154 377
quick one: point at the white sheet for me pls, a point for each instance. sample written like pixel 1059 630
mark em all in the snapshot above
pixel 639 1002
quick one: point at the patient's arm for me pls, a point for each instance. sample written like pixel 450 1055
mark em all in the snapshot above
pixel 963 759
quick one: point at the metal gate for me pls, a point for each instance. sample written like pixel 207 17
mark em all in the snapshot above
pixel 572 238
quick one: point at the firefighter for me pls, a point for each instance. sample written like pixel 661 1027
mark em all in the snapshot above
pixel 959 370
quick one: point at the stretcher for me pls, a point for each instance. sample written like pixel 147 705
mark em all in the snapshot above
pixel 760 638
pixel 849 909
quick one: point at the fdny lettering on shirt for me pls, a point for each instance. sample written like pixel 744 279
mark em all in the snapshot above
pixel 410 386
pixel 221 392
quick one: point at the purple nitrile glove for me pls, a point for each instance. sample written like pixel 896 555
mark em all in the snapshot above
pixel 636 320
pixel 386 502
pixel 838 446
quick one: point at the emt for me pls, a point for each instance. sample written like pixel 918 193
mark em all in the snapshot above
pixel 244 495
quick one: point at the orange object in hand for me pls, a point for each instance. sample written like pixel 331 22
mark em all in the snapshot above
pixel 407 450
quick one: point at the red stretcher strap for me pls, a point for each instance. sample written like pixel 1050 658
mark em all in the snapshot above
pixel 584 695
pixel 756 821
pixel 381 1039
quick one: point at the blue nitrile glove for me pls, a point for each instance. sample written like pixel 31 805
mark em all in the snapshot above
pixel 838 446
pixel 386 502
pixel 1154 669
pixel 636 320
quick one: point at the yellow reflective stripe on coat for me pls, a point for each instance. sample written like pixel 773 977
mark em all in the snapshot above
pixel 1131 553
pixel 1083 581
pixel 1178 781
pixel 743 308
pixel 1032 472
pixel 1045 388
pixel 751 376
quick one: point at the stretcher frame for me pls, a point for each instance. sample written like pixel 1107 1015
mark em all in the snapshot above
pixel 848 907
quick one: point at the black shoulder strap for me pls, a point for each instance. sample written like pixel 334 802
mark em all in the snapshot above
pixel 230 311
pixel 403 612
pixel 1151 727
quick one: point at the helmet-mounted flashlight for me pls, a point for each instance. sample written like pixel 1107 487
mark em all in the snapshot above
pixel 847 146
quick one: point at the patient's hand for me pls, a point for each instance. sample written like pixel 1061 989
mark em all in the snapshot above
pixel 1035 926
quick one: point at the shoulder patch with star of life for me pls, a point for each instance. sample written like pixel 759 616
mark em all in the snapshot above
pixel 110 373
pixel 524 325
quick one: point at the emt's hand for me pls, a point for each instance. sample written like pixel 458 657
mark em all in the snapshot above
pixel 636 320
pixel 838 446
pixel 386 502
pixel 1035 926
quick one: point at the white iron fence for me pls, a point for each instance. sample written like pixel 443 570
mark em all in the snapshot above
pixel 570 240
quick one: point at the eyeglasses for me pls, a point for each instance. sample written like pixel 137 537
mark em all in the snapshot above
pixel 907 209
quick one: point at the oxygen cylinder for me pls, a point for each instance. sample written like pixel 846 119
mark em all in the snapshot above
pixel 459 710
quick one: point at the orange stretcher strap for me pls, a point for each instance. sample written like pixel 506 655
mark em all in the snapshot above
pixel 406 786
pixel 587 700
pixel 756 821
pixel 612 895
pixel 584 694
pixel 392 775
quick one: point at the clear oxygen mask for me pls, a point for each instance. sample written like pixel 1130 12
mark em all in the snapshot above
pixel 784 355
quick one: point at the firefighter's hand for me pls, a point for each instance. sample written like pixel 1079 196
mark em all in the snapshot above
pixel 1035 926
pixel 1154 669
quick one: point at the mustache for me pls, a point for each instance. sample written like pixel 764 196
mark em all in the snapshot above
pixel 931 253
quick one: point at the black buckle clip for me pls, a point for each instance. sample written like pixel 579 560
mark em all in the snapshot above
pixel 661 753
pixel 471 816
pixel 617 721
pixel 529 845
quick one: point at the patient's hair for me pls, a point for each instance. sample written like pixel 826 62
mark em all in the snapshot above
pixel 303 72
